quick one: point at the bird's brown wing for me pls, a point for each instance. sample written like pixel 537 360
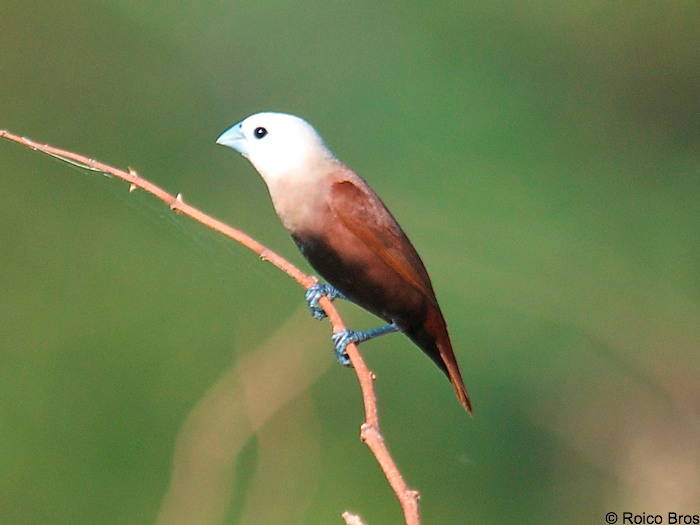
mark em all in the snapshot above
pixel 364 214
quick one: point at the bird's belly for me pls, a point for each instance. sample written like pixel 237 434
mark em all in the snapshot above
pixel 364 279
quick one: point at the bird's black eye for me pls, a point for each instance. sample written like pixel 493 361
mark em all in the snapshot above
pixel 259 133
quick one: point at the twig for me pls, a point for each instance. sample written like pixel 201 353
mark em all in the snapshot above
pixel 370 432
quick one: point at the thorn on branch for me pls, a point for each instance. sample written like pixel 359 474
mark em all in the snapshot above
pixel 175 205
pixel 132 172
pixel 366 429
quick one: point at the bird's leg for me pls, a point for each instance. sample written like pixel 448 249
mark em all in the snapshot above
pixel 314 294
pixel 344 338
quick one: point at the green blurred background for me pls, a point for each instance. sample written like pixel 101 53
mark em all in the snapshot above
pixel 543 156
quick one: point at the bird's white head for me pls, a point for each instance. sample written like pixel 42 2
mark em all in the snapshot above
pixel 277 144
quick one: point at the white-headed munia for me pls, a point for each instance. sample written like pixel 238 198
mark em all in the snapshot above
pixel 347 234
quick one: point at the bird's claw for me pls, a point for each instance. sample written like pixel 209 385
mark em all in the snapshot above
pixel 340 341
pixel 313 296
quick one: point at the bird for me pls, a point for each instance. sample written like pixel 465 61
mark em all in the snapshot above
pixel 348 235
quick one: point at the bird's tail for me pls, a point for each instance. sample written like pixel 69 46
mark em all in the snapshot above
pixel 433 339
pixel 448 358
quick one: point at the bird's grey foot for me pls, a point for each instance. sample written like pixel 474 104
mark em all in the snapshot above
pixel 342 339
pixel 314 294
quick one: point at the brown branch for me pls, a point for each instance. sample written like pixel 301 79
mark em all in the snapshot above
pixel 370 432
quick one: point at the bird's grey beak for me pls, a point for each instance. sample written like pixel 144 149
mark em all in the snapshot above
pixel 234 138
